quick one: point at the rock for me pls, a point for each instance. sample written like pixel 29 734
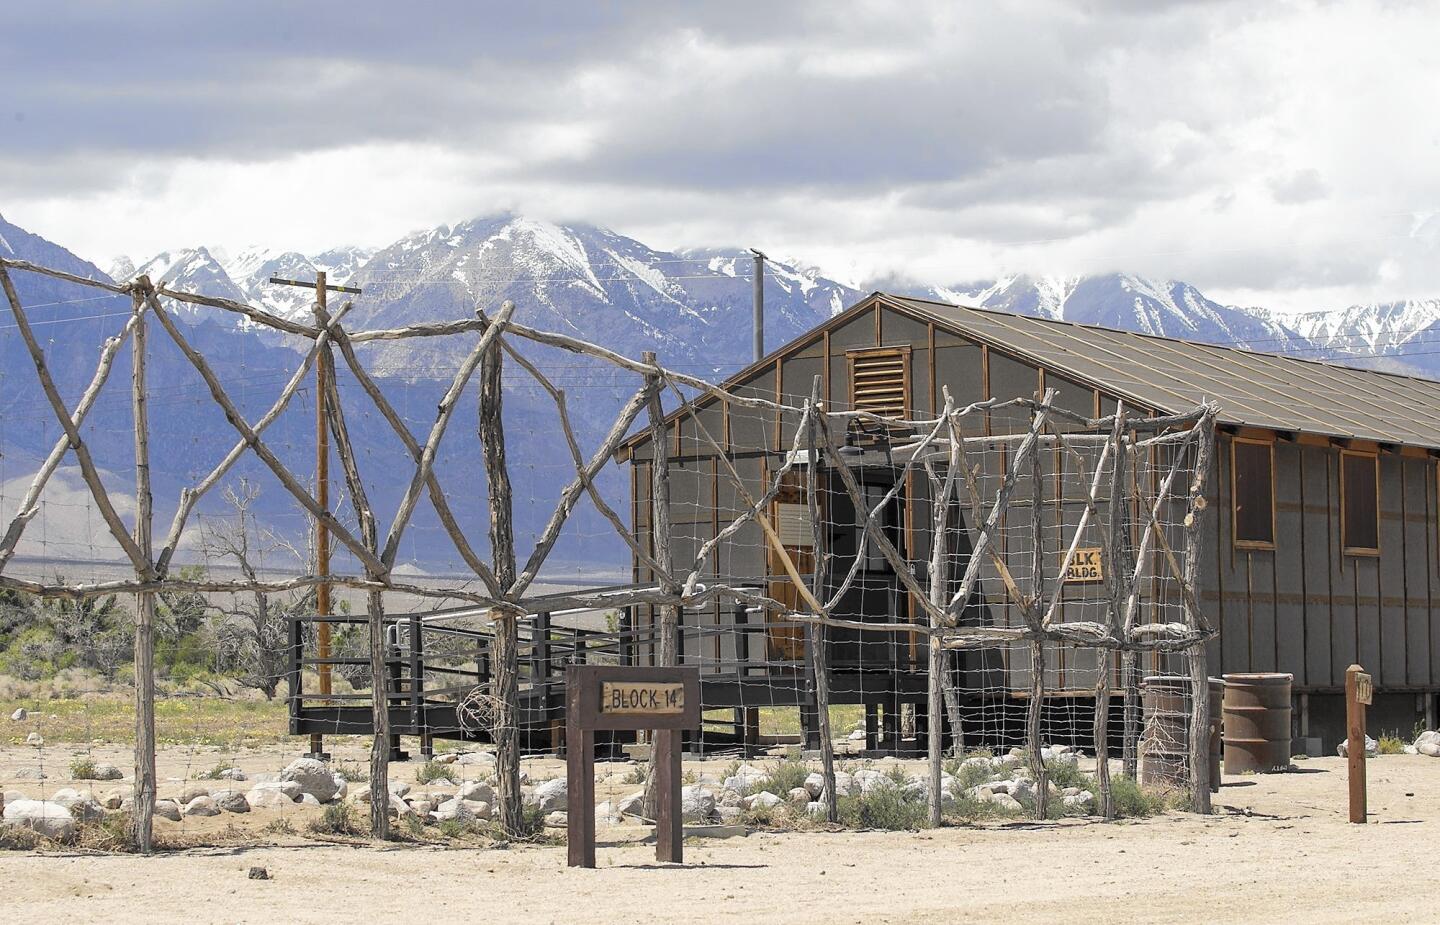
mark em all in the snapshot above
pixel 762 800
pixel 816 809
pixel 234 774
pixel 463 810
pixel 190 793
pixel 730 798
pixel 1084 800
pixel 10 796
pixel 549 795
pixel 309 799
pixel 556 820
pixel 728 815
pixel 82 806
pixel 107 772
pixel 799 796
pixel 113 799
pixel 422 807
pixel 268 798
pixel 977 764
pixel 289 788
pixel 35 739
pixel 857 736
pixel 815 785
pixel 231 801
pixel 845 784
pixel 1428 743
pixel 167 809
pixel 1372 748
pixel 46 818
pixel 485 758
pixel 29 774
pixel 313 776
pixel 605 814
pixel 20 715
pixel 447 758
pixel 398 788
pixel 398 807
pixel 258 873
pixel 1006 802
pixel 477 790
pixel 697 804
pixel 867 779
pixel 202 806
pixel 1432 749
pixel 342 788
pixel 633 805
pixel 745 779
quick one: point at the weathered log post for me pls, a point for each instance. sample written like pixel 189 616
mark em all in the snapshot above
pixel 328 399
pixel 1199 670
pixel 1129 671
pixel 1034 617
pixel 939 660
pixel 505 678
pixel 816 635
pixel 144 792
pixel 1114 567
pixel 662 551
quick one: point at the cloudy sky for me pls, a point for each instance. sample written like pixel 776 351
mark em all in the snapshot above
pixel 1285 155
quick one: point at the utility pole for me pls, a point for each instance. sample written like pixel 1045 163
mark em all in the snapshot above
pixel 759 304
pixel 323 374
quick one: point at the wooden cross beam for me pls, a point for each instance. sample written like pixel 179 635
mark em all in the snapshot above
pixel 304 285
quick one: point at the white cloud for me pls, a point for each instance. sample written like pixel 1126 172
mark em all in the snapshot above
pixel 1278 154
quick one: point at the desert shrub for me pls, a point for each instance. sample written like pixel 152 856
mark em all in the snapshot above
pixel 1135 802
pixel 281 826
pixel 431 771
pixel 1068 774
pixel 111 832
pixel 785 776
pixel 83 768
pixel 636 774
pixel 1390 743
pixel 19 838
pixel 217 772
pixel 967 777
pixel 337 819
pixel 354 772
pixel 887 806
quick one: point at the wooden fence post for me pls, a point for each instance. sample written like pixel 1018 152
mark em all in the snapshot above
pixel 505 681
pixel 1358 693
pixel 144 601
pixel 816 634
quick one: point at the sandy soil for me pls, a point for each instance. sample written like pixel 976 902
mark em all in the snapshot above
pixel 1279 849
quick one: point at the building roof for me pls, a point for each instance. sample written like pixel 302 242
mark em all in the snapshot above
pixel 1266 390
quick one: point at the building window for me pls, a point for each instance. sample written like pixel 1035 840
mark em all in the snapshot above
pixel 1252 469
pixel 880 381
pixel 1360 502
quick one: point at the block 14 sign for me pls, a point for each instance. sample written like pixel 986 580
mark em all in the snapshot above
pixel 1085 566
pixel 637 697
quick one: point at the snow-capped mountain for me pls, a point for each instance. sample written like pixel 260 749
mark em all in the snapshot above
pixel 1131 303
pixel 1409 329
pixel 692 308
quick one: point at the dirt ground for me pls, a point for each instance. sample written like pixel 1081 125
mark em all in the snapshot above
pixel 1278 849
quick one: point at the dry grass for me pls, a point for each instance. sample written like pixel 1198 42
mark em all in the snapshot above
pixel 110 718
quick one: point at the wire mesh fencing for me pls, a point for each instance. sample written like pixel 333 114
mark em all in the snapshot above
pixel 941 612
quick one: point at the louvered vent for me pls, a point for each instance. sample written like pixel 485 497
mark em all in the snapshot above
pixel 880 382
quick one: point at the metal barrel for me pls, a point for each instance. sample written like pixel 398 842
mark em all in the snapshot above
pixel 1257 723
pixel 1164 746
pixel 1217 725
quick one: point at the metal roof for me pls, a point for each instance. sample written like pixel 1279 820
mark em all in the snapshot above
pixel 1253 389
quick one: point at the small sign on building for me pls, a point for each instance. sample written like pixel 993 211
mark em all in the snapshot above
pixel 1085 566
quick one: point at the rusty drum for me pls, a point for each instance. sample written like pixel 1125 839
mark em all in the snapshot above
pixel 1217 695
pixel 1164 745
pixel 1257 723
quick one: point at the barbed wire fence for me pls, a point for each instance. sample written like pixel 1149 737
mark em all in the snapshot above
pixel 1014 495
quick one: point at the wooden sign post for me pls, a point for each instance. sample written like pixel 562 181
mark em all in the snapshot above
pixel 1359 692
pixel 612 697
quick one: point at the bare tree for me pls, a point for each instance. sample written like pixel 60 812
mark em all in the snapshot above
pixel 252 637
